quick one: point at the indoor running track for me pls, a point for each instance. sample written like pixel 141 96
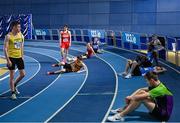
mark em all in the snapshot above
pixel 78 97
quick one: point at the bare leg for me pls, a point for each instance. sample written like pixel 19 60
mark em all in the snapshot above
pixel 20 77
pixel 11 80
pixel 134 104
pixel 131 107
pixel 63 54
pixel 128 66
pixel 134 64
pixel 66 53
pixel 150 105
pixel 128 102
pixel 60 71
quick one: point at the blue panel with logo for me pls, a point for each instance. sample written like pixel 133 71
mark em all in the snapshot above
pixel 131 38
pixel 97 33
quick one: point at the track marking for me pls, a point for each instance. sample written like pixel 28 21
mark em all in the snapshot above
pixel 116 88
pixel 70 98
pixel 1 79
pixel 39 67
pixel 37 93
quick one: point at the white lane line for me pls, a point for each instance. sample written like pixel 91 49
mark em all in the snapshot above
pixel 1 79
pixel 39 66
pixel 37 93
pixel 115 93
pixel 70 98
pixel 116 88
pixel 31 97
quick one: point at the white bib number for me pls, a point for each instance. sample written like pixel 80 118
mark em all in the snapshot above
pixel 17 45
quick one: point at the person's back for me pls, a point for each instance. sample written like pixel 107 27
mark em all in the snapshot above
pixel 77 65
pixel 164 100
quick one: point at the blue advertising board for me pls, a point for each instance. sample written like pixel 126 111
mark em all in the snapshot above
pixel 42 32
pixel 96 33
pixel 131 38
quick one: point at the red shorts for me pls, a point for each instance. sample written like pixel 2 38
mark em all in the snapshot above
pixel 65 45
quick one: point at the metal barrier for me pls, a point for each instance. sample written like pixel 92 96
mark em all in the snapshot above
pixel 115 38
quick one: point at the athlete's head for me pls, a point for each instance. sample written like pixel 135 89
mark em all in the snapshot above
pixel 15 26
pixel 154 37
pixel 150 48
pixel 65 28
pixel 152 78
pixel 79 58
pixel 96 39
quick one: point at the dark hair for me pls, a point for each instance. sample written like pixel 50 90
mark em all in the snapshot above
pixel 66 26
pixel 14 23
pixel 151 75
pixel 79 58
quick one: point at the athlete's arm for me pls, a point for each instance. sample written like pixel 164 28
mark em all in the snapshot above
pixel 70 38
pixel 22 47
pixel 60 40
pixel 6 47
pixel 91 48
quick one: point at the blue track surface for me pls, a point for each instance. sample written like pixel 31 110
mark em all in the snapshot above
pixel 95 87
pixel 77 97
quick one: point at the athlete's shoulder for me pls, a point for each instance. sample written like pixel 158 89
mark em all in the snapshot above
pixel 8 36
pixel 21 34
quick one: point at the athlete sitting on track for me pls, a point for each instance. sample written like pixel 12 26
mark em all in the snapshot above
pixel 156 46
pixel 157 98
pixel 75 66
pixel 96 45
pixel 141 61
pixel 89 52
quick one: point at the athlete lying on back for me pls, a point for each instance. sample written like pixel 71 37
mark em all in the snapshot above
pixel 75 66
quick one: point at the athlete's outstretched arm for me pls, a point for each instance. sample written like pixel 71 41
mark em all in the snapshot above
pixel 56 72
pixel 6 47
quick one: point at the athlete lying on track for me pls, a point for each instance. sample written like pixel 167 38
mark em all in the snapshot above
pixel 75 66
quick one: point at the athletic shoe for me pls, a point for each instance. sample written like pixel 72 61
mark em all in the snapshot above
pixel 16 91
pixel 122 74
pixel 116 117
pixel 115 111
pixel 50 73
pixel 13 97
pixel 128 76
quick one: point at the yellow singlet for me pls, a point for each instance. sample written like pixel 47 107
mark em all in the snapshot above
pixel 15 43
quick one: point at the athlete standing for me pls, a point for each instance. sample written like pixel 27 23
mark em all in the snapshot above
pixel 65 43
pixel 14 53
